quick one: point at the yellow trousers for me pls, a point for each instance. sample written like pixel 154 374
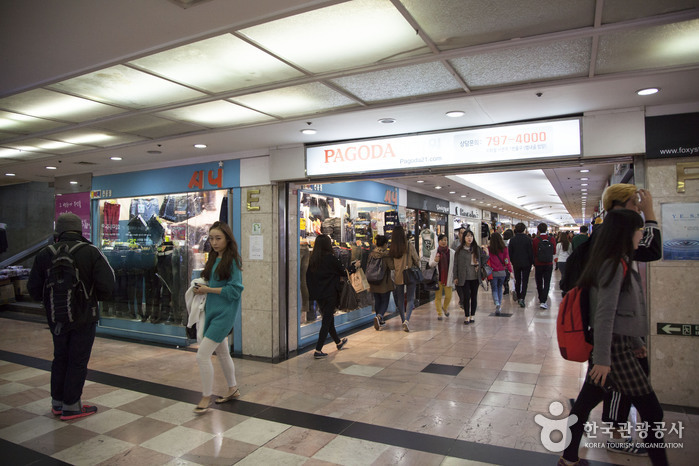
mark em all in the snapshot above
pixel 442 290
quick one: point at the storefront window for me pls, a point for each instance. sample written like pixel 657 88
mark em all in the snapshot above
pixel 352 225
pixel 156 245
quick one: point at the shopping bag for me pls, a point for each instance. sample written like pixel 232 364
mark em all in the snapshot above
pixel 430 279
pixel 348 297
pixel 359 281
pixel 412 275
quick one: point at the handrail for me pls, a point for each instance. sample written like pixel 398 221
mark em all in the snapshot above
pixel 27 253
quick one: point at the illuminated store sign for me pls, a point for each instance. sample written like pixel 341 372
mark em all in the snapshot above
pixel 485 145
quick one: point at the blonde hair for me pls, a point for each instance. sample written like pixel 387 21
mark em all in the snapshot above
pixel 617 194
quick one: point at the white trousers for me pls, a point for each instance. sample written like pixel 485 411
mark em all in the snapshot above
pixel 207 347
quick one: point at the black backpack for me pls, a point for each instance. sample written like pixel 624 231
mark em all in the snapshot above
pixel 65 295
pixel 544 251
pixel 375 270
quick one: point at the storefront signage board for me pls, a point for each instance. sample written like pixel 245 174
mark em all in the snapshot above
pixel 431 204
pixel 546 139
pixel 188 178
pixel 369 191
pixel 672 136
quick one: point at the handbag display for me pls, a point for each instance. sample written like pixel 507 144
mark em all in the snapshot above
pixel 359 281
pixel 412 275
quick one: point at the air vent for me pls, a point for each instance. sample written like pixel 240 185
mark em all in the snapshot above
pixel 82 162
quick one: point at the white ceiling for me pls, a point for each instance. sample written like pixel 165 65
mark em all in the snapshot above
pixel 85 80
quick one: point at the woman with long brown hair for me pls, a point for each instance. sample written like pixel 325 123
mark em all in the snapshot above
pixel 225 286
pixel 404 257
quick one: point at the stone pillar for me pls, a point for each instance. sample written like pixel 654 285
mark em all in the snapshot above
pixel 673 297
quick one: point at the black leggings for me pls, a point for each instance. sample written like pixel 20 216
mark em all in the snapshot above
pixel 470 294
pixel 327 309
pixel 647 405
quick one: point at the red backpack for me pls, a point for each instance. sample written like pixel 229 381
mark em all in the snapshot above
pixel 573 324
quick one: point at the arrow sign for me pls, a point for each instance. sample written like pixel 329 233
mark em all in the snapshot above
pixel 688 330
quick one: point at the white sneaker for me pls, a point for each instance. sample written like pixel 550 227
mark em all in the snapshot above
pixel 543 306
pixel 406 328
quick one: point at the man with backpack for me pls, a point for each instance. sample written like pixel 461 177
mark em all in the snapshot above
pixel 544 247
pixel 69 277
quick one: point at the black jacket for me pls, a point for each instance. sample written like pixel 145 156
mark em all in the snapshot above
pixel 325 281
pixel 521 250
pixel 94 270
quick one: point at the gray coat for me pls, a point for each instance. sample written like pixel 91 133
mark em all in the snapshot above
pixel 464 269
pixel 613 310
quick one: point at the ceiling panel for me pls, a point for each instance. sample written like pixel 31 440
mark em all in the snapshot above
pixel 23 124
pixel 149 126
pixel 563 59
pixel 121 85
pixel 618 10
pixel 649 48
pixel 42 103
pixel 95 138
pixel 395 83
pixel 460 23
pixel 347 35
pixel 10 154
pixel 47 146
pixel 216 114
pixel 223 63
pixel 293 101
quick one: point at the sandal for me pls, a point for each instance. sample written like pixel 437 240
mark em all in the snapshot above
pixel 199 409
pixel 232 396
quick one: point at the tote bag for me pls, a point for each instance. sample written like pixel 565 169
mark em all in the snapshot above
pixel 359 281
pixel 412 275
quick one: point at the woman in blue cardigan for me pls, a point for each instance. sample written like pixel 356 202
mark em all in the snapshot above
pixel 225 286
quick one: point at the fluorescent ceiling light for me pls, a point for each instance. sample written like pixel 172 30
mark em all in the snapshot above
pixel 584 170
pixel 51 168
pixel 217 114
pixel 648 91
pixel 10 174
pixel 308 131
pixel 455 114
pixel 115 158
pixel 73 182
pixel 200 146
pixel 437 187
pixel 43 103
pixel 420 181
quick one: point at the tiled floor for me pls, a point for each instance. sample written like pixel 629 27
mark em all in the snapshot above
pixel 445 393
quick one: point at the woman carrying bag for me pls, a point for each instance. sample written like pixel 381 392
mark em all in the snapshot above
pixel 404 258
pixel 468 258
pixel 500 262
pixel 323 278
pixel 382 289
pixel 443 258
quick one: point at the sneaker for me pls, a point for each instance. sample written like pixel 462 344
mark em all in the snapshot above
pixel 543 306
pixel 406 328
pixel 628 448
pixel 521 303
pixel 377 322
pixel 497 308
pixel 440 318
pixel 56 411
pixel 319 355
pixel 85 410
pixel 446 313
pixel 341 344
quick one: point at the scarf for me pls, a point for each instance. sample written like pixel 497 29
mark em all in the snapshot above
pixel 443 264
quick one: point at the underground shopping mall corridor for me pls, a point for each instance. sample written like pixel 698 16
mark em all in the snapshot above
pixel 444 394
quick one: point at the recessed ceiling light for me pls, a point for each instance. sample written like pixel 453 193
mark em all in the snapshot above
pixel 583 184
pixel 420 181
pixel 437 187
pixel 584 179
pixel 9 174
pixel 584 170
pixel 154 152
pixel 648 91
pixel 387 120
pixel 73 182
pixel 309 131
pixel 452 192
pixel 583 189
pixel 463 195
pixel 51 168
pixel 455 114
pixel 115 158
pixel 471 199
pixel 200 146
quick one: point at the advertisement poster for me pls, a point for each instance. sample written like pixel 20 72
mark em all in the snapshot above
pixel 680 231
pixel 79 204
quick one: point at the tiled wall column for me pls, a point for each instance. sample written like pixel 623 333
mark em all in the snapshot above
pixel 260 319
pixel 674 298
